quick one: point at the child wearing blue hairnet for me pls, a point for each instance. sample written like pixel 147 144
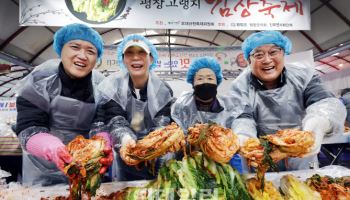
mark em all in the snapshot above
pixel 203 105
pixel 57 102
pixel 136 103
pixel 281 95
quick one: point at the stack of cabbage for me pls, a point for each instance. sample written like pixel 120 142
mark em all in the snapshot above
pixel 195 177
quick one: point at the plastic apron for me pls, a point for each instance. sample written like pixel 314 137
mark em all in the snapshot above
pixel 68 119
pixel 136 117
pixel 277 109
pixel 184 112
pixel 140 125
pixel 282 108
pixel 140 114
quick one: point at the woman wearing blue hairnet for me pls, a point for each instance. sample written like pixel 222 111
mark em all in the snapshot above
pixel 137 102
pixel 282 96
pixel 57 102
pixel 203 105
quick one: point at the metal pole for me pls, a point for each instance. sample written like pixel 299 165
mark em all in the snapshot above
pixel 169 44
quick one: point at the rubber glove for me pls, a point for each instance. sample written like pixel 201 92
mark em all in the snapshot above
pixel 128 142
pixel 236 162
pixel 242 139
pixel 319 126
pixel 49 147
pixel 107 160
pixel 244 168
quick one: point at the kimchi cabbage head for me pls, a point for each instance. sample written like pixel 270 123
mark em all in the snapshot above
pixel 85 151
pixel 83 171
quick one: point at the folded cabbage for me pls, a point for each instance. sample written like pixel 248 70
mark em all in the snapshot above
pixel 269 192
pixel 292 141
pixel 83 171
pixel 215 141
pixel 295 189
pixel 157 143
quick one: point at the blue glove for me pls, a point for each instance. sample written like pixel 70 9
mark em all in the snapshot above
pixel 236 162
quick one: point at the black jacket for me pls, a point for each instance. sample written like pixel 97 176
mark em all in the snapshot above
pixel 29 115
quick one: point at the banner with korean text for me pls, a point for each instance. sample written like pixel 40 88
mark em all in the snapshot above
pixel 170 14
pixel 230 58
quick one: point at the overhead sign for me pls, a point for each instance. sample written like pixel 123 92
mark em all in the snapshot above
pixel 170 14
pixel 230 58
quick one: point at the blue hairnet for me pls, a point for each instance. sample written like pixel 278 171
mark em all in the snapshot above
pixel 136 37
pixel 204 62
pixel 266 37
pixel 77 32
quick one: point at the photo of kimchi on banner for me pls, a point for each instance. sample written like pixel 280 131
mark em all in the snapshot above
pixel 170 14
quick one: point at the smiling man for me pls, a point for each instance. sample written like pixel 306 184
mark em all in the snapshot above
pixel 137 102
pixel 57 102
pixel 281 96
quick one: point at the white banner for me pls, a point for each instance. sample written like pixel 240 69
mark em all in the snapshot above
pixel 8 114
pixel 230 58
pixel 170 14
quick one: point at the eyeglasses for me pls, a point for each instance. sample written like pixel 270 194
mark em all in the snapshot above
pixel 260 55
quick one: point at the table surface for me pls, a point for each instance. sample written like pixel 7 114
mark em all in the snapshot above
pixel 17 191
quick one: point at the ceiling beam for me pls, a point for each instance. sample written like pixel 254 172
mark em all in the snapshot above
pixel 8 81
pixel 332 51
pixel 320 71
pixel 49 29
pixel 216 35
pixel 325 63
pixel 318 7
pixel 5 92
pixel 337 12
pixel 313 42
pixel 40 52
pixel 15 2
pixel 14 60
pixel 44 48
pixel 13 36
pixel 229 34
pixel 110 30
pixel 175 44
pixel 342 58
pixel 239 37
pixel 188 34
pixel 121 33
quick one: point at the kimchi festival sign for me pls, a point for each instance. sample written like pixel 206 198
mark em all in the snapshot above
pixel 170 14
pixel 180 58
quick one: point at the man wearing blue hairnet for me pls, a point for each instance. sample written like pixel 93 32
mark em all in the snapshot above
pixel 57 102
pixel 137 102
pixel 203 105
pixel 283 96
